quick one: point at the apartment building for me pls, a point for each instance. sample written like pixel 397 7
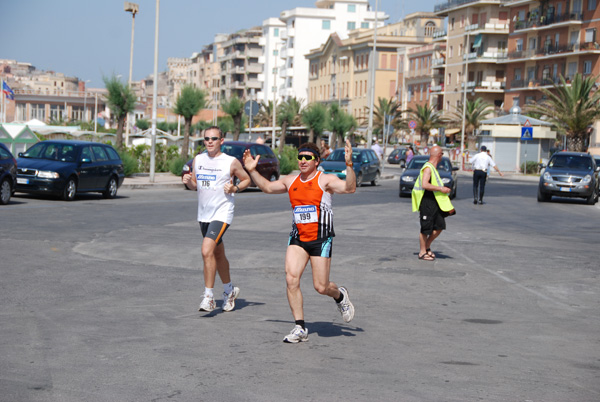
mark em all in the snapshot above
pixel 339 69
pixel 271 44
pixel 424 75
pixel 476 49
pixel 178 73
pixel 239 64
pixel 308 28
pixel 548 39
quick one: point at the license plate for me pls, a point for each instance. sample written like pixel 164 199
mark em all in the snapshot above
pixel 565 189
pixel 22 181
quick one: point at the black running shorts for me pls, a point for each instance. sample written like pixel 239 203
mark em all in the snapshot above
pixel 214 230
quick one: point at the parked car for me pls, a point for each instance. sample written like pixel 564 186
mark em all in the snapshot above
pixel 445 169
pixel 569 174
pixel 8 174
pixel 397 157
pixel 366 165
pixel 268 164
pixel 65 168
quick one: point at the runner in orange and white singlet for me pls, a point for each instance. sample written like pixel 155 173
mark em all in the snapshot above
pixel 310 195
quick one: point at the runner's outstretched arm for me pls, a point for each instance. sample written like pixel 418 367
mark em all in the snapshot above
pixel 269 187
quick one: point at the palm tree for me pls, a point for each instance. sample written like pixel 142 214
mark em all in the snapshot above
pixel 314 116
pixel 573 109
pixel 121 101
pixel 427 118
pixel 288 114
pixel 476 111
pixel 383 111
pixel 235 108
pixel 189 102
pixel 340 123
pixel 264 117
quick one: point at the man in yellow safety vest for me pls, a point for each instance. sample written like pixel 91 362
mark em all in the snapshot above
pixel 430 198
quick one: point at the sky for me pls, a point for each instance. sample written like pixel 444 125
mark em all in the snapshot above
pixel 90 39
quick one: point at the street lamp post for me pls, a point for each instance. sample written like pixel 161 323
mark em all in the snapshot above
pixel 154 95
pixel 133 9
pixel 372 79
pixel 464 111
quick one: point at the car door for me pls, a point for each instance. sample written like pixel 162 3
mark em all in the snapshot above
pixel 87 169
pixel 102 166
pixel 373 164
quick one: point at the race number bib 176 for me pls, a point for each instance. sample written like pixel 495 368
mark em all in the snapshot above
pixel 305 214
pixel 206 181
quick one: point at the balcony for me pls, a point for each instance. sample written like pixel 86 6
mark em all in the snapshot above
pixel 437 88
pixel 450 4
pixel 254 68
pixel 486 57
pixel 438 62
pixel 440 35
pixel 488 27
pixel 490 86
pixel 534 84
pixel 287 52
pixel 543 22
pixel 550 51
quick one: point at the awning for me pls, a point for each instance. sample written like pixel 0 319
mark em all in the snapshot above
pixel 452 131
pixel 478 40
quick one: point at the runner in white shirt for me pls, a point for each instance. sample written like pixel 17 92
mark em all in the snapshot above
pixel 212 176
pixel 481 163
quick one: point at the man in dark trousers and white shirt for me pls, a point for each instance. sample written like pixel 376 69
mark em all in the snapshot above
pixel 481 163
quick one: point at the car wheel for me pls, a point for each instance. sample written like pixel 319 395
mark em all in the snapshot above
pixel 453 192
pixel 5 192
pixel 591 200
pixel 375 181
pixel 541 197
pixel 111 188
pixel 70 190
pixel 359 179
pixel 402 163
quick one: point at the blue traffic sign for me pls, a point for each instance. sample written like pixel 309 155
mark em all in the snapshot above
pixel 526 133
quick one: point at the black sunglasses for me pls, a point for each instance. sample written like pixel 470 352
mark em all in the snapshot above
pixel 307 157
pixel 211 138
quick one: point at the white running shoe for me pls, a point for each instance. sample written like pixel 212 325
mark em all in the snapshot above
pixel 208 304
pixel 298 334
pixel 229 299
pixel 346 307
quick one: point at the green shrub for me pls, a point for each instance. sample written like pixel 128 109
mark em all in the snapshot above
pixel 175 165
pixel 532 167
pixel 130 163
pixel 288 159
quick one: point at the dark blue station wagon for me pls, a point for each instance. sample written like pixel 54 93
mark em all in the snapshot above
pixel 65 168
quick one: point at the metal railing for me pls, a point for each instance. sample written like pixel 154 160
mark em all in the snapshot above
pixel 545 21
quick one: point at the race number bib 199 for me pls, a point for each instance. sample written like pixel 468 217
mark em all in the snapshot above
pixel 305 214
pixel 206 181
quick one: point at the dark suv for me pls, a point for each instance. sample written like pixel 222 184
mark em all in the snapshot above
pixel 268 164
pixel 569 174
pixel 8 174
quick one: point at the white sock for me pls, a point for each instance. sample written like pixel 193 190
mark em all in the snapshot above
pixel 228 287
pixel 208 292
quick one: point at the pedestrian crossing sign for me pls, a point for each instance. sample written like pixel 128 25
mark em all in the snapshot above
pixel 526 133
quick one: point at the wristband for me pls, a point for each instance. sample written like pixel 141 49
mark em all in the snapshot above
pixel 349 164
pixel 237 189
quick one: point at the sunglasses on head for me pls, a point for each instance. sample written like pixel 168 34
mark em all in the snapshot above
pixel 307 157
pixel 211 138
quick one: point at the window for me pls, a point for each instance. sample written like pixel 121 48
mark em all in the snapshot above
pixel 517 74
pixel 519 45
pixel 57 112
pixel 99 153
pixel 351 8
pixel 364 25
pixel 572 69
pixel 532 43
pixel 451 52
pixel 393 62
pixel 409 93
pixel 275 52
pixel 529 100
pixel 591 5
pixel 460 49
pixel 384 61
pixel 351 26
pixel 452 24
pixel 574 37
pixel 276 32
pixel 587 67
pixel 449 78
pixel 326 24
pixel 590 35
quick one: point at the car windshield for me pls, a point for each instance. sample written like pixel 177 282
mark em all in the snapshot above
pixel 571 162
pixel 51 151
pixel 417 163
pixel 339 156
pixel 237 151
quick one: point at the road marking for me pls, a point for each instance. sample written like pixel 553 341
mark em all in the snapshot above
pixel 511 281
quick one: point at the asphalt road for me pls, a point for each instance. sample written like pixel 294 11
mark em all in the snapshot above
pixel 98 302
